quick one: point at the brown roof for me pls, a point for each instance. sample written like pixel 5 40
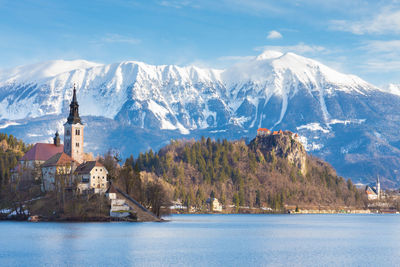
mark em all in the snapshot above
pixel 87 166
pixel 58 159
pixel 43 152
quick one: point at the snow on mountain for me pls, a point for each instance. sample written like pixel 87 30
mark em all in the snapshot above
pixel 392 89
pixel 338 116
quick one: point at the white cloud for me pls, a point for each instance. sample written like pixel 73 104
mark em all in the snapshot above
pixel 381 56
pixel 235 58
pixel 388 46
pixel 300 48
pixel 387 21
pixel 274 35
pixel 117 38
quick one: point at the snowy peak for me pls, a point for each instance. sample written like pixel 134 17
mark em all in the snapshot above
pixel 169 96
pixel 40 71
pixel 269 54
pixel 273 67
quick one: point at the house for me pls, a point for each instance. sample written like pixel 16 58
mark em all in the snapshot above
pixel 57 172
pixel 91 176
pixel 214 204
pixel 263 132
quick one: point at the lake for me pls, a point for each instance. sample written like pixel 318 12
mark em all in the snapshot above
pixel 208 240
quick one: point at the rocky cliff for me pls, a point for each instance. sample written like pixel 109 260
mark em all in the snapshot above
pixel 284 145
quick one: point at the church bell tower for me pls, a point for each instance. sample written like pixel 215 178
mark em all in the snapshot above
pixel 73 132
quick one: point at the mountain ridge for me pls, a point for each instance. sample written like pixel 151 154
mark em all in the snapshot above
pixel 339 117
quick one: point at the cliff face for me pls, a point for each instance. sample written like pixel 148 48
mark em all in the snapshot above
pixel 284 146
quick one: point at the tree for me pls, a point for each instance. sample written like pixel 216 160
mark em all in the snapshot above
pixel 157 199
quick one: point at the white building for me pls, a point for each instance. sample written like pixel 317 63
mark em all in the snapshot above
pixel 57 172
pixel 374 192
pixel 92 175
pixel 214 204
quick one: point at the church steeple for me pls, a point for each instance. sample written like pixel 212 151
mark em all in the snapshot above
pixel 73 132
pixel 73 117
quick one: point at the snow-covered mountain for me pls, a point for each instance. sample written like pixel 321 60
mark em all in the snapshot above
pixel 392 88
pixel 133 106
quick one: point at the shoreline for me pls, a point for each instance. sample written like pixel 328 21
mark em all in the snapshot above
pixel 36 218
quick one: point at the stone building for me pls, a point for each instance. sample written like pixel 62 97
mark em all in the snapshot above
pixel 91 176
pixel 57 172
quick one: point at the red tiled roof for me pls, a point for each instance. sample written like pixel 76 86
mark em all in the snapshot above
pixel 58 159
pixel 43 152
pixel 263 130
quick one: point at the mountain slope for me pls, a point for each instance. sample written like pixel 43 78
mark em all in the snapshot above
pixel 132 106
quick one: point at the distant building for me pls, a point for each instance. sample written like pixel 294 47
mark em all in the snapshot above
pixel 263 132
pixel 214 204
pixel 266 132
pixel 374 192
pixel 91 175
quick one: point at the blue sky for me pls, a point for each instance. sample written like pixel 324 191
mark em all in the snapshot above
pixel 358 37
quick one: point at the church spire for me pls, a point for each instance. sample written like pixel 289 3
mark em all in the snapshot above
pixel 73 117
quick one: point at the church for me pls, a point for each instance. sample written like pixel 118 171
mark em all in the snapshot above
pixel 66 166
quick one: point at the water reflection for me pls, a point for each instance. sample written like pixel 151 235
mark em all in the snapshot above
pixel 207 240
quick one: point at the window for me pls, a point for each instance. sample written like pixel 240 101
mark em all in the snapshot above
pixel 68 133
pixel 77 144
pixel 103 177
pixel 96 170
pixel 102 184
pixel 94 177
pixel 77 132
pixel 101 170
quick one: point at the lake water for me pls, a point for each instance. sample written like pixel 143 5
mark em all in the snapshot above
pixel 208 240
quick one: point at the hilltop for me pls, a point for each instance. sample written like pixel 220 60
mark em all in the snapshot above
pixel 272 171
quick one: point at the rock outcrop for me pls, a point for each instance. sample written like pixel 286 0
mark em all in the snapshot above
pixel 283 145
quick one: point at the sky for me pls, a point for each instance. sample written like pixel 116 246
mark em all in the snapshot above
pixel 358 37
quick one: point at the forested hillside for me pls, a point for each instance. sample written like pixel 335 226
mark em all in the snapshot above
pixel 11 149
pixel 267 173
